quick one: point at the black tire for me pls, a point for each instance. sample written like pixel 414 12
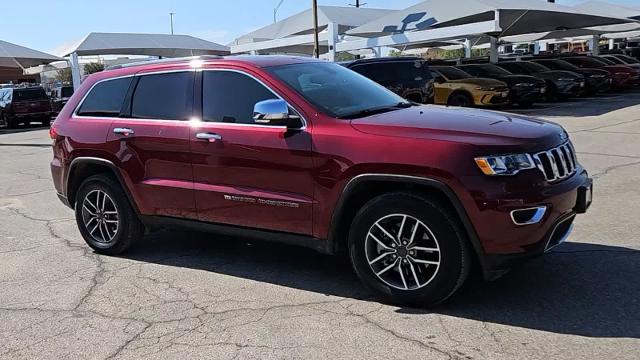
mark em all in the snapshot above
pixel 460 99
pixel 10 122
pixel 129 228
pixel 454 252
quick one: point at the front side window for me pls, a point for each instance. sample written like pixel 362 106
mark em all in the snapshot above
pixel 230 97
pixel 105 98
pixel 166 96
pixel 336 90
pixel 452 73
pixel 395 72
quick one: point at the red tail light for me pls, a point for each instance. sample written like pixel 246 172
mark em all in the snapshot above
pixel 53 134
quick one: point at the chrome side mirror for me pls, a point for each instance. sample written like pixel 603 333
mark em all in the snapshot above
pixel 274 112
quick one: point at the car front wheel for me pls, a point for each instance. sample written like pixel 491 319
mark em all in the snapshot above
pixel 105 217
pixel 409 249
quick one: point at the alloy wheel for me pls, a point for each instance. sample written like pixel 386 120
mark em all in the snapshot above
pixel 100 216
pixel 402 252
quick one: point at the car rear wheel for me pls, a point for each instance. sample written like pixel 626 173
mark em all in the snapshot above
pixel 105 217
pixel 409 250
pixel 461 100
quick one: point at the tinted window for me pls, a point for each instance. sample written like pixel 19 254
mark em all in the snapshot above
pixel 106 98
pixel 29 94
pixel 67 91
pixel 336 90
pixel 230 97
pixel 395 72
pixel 452 73
pixel 163 96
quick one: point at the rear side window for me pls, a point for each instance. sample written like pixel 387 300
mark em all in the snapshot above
pixel 163 96
pixel 106 98
pixel 220 104
pixel 29 94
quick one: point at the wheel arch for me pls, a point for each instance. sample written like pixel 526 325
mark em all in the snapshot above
pixel 363 188
pixel 460 92
pixel 83 167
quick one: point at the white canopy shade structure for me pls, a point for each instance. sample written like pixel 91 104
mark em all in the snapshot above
pixel 514 17
pixel 295 33
pixel 143 44
pixel 12 55
pixel 137 44
pixel 438 20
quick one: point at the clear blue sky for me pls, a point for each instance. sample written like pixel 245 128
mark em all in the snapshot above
pixel 46 24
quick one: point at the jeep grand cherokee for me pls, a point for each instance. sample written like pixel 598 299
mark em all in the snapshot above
pixel 311 153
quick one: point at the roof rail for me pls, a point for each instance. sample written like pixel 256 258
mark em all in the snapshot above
pixel 162 61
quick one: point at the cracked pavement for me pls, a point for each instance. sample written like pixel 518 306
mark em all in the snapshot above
pixel 192 295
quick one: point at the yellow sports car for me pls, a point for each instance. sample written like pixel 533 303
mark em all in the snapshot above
pixel 455 87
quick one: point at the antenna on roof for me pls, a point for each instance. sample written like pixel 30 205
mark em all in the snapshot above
pixel 357 4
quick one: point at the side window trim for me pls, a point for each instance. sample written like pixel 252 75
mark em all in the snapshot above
pixel 84 97
pixel 200 102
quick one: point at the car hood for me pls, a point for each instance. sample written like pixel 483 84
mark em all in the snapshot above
pixel 472 126
pixel 480 82
pixel 592 71
pixel 620 68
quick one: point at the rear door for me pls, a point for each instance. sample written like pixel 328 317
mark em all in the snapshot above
pixel 249 174
pixel 151 142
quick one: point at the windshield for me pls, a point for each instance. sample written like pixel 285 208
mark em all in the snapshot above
pixel 451 73
pixel 485 70
pixel 335 89
pixel 611 60
pixel 592 62
pixel 533 67
pixel 29 94
pixel 628 59
pixel 558 65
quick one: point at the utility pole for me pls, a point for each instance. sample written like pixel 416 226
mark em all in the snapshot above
pixel 171 16
pixel 275 10
pixel 316 40
pixel 357 4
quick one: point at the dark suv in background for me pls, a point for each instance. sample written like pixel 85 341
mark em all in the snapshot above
pixel 596 80
pixel 408 77
pixel 23 105
pixel 59 97
pixel 524 90
pixel 560 83
pixel 307 152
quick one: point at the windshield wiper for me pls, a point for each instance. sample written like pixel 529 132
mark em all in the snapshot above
pixel 377 110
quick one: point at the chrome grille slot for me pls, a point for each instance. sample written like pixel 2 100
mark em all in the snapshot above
pixel 557 163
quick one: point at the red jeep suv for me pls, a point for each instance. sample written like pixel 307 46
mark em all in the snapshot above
pixel 306 152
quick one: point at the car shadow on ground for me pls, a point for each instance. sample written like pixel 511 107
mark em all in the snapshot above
pixel 580 289
pixel 595 105
pixel 23 128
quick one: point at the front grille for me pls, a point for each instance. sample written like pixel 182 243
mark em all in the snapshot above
pixel 558 163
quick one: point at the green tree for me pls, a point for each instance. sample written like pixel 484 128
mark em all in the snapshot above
pixel 93 67
pixel 64 76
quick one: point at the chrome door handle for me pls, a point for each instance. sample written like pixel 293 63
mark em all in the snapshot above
pixel 123 131
pixel 210 137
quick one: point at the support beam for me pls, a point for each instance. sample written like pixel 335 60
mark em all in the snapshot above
pixel 75 70
pixel 612 44
pixel 493 50
pixel 467 48
pixel 593 44
pixel 536 48
pixel 332 39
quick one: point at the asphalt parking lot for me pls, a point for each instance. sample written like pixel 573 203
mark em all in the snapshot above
pixel 189 295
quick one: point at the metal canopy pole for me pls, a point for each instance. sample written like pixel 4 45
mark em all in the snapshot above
pixel 75 70
pixel 316 40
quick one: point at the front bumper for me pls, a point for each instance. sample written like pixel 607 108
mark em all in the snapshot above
pixel 491 98
pixel 531 94
pixel 505 243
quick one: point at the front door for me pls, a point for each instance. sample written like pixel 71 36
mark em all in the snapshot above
pixel 151 142
pixel 247 174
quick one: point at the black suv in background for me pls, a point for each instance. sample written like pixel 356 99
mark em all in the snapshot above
pixel 596 80
pixel 59 97
pixel 23 105
pixel 560 83
pixel 408 77
pixel 524 90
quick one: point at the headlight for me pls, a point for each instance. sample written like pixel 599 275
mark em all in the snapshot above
pixel 599 76
pixel 622 74
pixel 486 88
pixel 567 79
pixel 505 164
pixel 525 84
